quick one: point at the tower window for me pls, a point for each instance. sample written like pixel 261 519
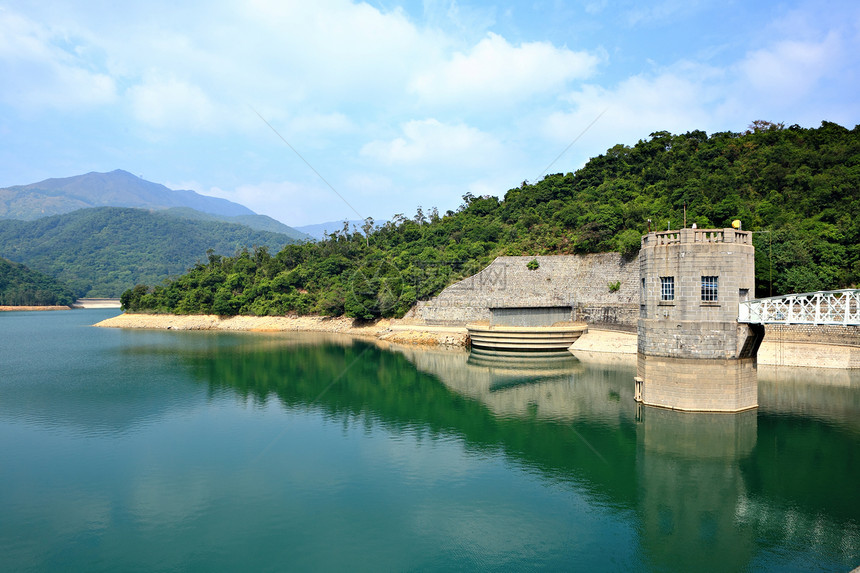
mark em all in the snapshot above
pixel 710 288
pixel 667 288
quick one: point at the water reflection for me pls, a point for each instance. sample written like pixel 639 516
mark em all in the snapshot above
pixel 552 387
pixel 509 369
pixel 687 465
pixel 547 426
pixel 826 394
pixel 699 483
pixel 691 483
pixel 468 460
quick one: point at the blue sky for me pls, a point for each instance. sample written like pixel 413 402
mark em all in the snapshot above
pixel 397 104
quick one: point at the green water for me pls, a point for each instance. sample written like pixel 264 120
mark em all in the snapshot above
pixel 178 451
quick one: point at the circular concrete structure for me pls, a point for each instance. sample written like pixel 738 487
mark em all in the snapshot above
pixel 525 338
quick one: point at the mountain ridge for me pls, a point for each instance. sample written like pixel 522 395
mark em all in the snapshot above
pixel 117 188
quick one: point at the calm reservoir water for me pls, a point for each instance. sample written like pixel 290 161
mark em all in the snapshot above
pixel 200 451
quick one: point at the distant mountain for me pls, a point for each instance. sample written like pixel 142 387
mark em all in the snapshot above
pixel 103 251
pixel 20 286
pixel 258 222
pixel 319 230
pixel 115 189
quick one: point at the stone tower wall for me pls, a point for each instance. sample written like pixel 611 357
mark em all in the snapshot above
pixel 688 326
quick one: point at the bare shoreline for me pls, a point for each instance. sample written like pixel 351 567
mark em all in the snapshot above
pixel 21 308
pixel 386 330
pixel 593 343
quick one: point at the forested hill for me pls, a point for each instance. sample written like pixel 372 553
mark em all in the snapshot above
pixel 797 188
pixel 101 252
pixel 122 189
pixel 20 286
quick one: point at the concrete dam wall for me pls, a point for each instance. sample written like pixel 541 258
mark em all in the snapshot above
pixel 601 289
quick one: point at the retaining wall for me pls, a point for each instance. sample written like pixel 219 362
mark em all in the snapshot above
pixel 825 334
pixel 585 283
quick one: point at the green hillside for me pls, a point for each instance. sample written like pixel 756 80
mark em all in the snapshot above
pixel 20 286
pixel 798 189
pixel 103 251
pixel 258 222
pixel 122 189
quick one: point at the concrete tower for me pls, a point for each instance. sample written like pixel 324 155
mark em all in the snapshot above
pixel 693 353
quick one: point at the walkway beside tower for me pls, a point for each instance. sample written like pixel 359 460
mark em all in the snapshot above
pixel 832 308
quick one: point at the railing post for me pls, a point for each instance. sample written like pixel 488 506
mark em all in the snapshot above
pixel 855 298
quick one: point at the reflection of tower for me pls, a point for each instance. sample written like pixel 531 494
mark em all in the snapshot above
pixel 690 482
pixel 692 282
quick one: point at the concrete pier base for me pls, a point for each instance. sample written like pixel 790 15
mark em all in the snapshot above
pixel 697 385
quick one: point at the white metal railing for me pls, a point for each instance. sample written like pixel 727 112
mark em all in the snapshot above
pixel 823 307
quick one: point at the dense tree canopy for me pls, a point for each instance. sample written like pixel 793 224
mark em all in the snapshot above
pixel 798 189
pixel 20 286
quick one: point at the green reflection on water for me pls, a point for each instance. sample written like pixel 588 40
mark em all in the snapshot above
pixel 212 451
pixel 358 378
pixel 720 489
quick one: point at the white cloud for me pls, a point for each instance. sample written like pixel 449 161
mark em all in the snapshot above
pixel 172 104
pixel 789 69
pixel 396 108
pixel 596 6
pixel 656 12
pixel 369 185
pixel 446 14
pixel 323 122
pixel 785 80
pixel 42 68
pixel 430 142
pixel 336 49
pixel 496 73
pixel 677 101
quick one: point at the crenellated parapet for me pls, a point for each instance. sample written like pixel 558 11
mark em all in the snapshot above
pixel 686 236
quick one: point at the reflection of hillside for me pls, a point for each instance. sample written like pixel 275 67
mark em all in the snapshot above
pixel 361 380
pixel 697 482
